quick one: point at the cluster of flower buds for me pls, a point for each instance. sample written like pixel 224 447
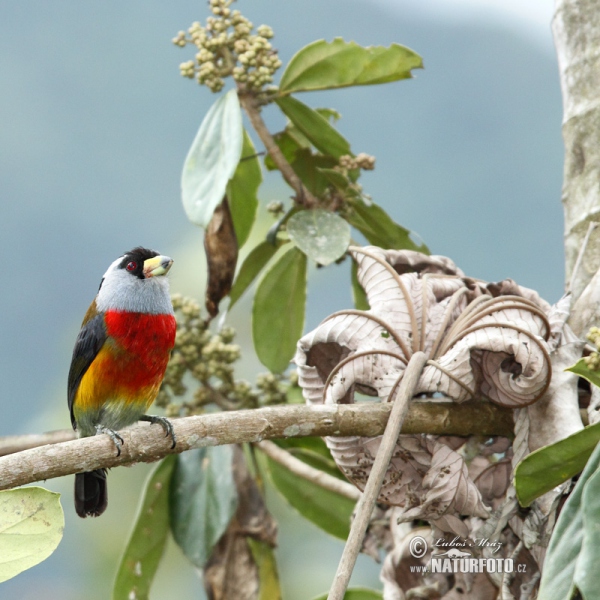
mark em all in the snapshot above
pixel 275 207
pixel 201 369
pixel 593 360
pixel 360 161
pixel 227 47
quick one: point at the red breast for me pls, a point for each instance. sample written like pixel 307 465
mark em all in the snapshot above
pixel 141 343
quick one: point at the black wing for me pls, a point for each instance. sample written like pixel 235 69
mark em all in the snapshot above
pixel 89 341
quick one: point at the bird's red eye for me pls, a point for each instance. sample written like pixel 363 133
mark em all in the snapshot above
pixel 131 266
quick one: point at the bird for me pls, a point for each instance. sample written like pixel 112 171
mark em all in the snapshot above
pixel 119 360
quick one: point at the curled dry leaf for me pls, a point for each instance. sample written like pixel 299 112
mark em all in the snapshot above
pixel 493 481
pixel 220 244
pixel 482 339
pixel 448 490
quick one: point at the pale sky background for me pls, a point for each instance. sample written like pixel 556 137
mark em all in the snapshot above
pixel 531 16
pixel 97 122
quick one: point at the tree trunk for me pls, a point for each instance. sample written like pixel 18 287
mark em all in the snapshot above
pixel 576 29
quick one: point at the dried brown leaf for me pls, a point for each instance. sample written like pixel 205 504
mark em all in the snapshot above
pixel 483 339
pixel 402 483
pixel 231 571
pixel 220 244
pixel 448 491
pixel 399 573
pixel 494 480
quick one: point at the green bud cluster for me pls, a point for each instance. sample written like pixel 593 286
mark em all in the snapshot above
pixel 201 370
pixel 360 161
pixel 275 207
pixel 593 336
pixel 227 47
pixel 593 360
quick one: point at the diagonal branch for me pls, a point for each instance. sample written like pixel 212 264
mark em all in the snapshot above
pixel 302 469
pixel 252 108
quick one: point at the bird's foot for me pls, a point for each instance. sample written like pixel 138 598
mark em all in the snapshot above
pixel 164 423
pixel 113 435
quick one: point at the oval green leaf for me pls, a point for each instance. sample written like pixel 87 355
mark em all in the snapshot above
pixel 148 538
pixel 315 127
pixel 321 234
pixel 587 575
pixel 31 527
pixel 580 368
pixel 329 511
pixel 242 190
pixel 561 565
pixel 212 159
pixel 251 267
pixel 264 558
pixel 278 310
pixel 544 469
pixel 380 229
pixel 327 65
pixel 203 498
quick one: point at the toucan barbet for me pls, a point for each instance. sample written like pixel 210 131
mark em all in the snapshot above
pixel 119 359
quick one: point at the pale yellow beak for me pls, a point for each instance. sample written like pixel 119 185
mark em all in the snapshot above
pixel 159 265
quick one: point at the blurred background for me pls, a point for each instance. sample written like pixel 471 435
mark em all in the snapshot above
pixel 96 122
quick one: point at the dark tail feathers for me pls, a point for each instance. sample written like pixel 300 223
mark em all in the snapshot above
pixel 91 496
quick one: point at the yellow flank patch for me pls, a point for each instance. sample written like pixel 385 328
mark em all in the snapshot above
pixel 108 380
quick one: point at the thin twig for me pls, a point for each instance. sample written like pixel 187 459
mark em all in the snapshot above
pixel 251 106
pixel 365 506
pixel 300 468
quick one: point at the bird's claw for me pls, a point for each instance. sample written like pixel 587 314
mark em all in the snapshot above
pixel 117 440
pixel 164 423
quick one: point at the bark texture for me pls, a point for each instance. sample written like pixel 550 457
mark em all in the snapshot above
pixel 576 29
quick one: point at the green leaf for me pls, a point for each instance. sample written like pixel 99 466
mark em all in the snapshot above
pixel 252 266
pixel 315 127
pixel 309 167
pixel 212 159
pixel 320 234
pixel 357 594
pixel 380 229
pixel 148 538
pixel 327 510
pixel 242 189
pixel 358 294
pixel 278 310
pixel 587 575
pixel 294 395
pixel 289 146
pixel 264 557
pixel 203 498
pixel 330 114
pixel 315 445
pixel 580 368
pixel 561 565
pixel 544 469
pixel 31 527
pixel 335 178
pixel 327 65
pixel 314 452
